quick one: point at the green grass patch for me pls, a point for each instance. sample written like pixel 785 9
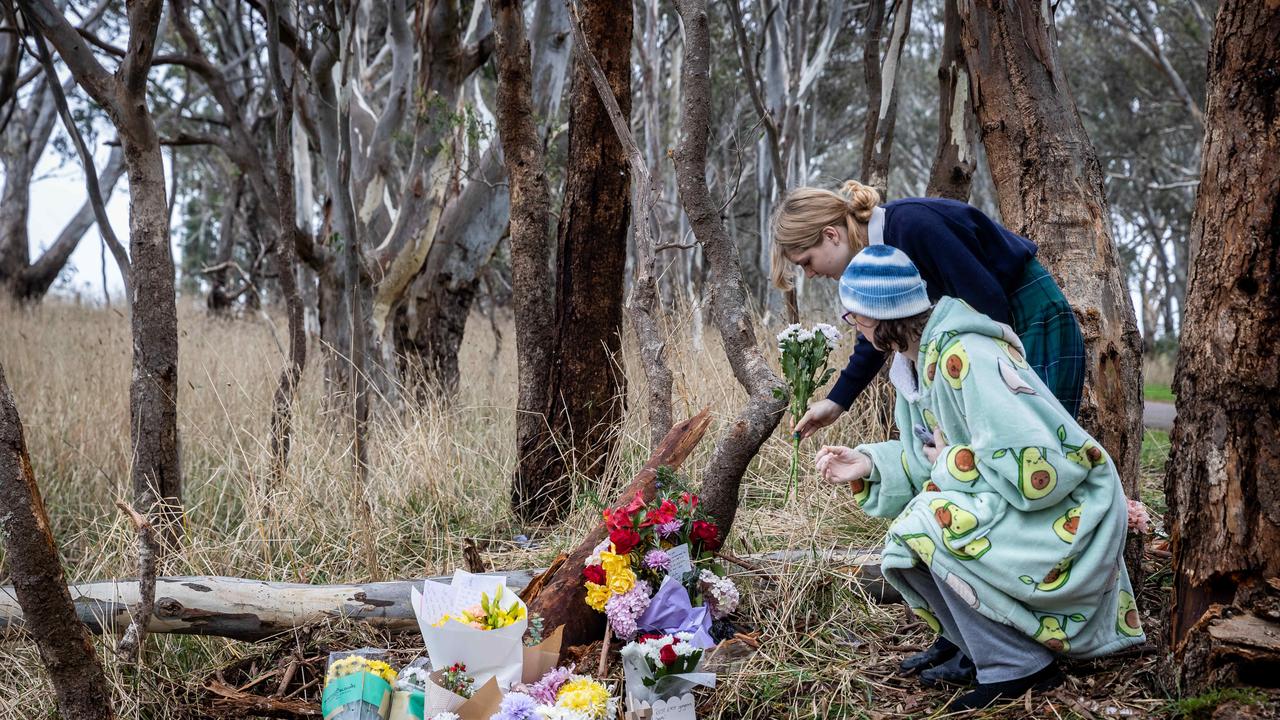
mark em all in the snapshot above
pixel 1158 392
pixel 1202 706
pixel 1155 450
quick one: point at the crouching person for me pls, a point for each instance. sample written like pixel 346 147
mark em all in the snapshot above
pixel 1009 520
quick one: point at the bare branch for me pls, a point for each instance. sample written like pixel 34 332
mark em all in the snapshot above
pixel 90 172
pixel 134 636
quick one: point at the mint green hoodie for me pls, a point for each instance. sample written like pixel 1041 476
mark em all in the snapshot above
pixel 1023 516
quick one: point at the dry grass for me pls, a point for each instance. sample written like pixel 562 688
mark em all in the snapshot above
pixel 439 475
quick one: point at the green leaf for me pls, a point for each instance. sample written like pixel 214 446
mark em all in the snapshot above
pixel 1026 579
pixel 1062 432
pixel 1076 617
pixel 999 454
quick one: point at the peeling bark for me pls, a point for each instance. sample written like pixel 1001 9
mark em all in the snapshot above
pixel 883 113
pixel 956 159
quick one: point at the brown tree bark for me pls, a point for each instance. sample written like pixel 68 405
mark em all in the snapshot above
pixel 530 245
pixel 1049 187
pixel 579 404
pixel 153 391
pixel 644 304
pixel 558 594
pixel 757 419
pixel 33 564
pixel 955 161
pixel 1223 479
pixel 286 253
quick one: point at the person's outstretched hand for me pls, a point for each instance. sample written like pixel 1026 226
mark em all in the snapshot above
pixel 839 465
pixel 819 415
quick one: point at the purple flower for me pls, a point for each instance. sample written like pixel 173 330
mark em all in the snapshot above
pixel 667 529
pixel 516 706
pixel 657 560
pixel 544 691
pixel 623 610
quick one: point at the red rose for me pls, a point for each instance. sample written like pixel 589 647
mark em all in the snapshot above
pixel 624 540
pixel 594 573
pixel 648 636
pixel 668 654
pixel 707 534
pixel 665 513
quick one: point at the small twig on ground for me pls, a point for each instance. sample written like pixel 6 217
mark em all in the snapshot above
pixel 604 652
pixel 131 644
pixel 294 660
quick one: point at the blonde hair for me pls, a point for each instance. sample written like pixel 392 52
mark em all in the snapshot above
pixel 798 221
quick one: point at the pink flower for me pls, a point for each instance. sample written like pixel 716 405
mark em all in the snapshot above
pixel 544 691
pixel 623 610
pixel 1139 517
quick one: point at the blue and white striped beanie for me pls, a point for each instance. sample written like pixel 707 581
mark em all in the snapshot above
pixel 882 283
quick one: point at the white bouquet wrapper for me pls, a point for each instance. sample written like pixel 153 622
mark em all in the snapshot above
pixel 680 707
pixel 497 654
pixel 635 670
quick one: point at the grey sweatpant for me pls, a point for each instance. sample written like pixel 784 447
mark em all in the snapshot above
pixel 999 651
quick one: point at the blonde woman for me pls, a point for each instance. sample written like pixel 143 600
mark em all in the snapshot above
pixel 960 253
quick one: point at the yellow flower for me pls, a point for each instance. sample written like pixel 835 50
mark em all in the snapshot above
pixel 377 667
pixel 596 596
pixel 613 563
pixel 585 695
pixel 353 664
pixel 621 581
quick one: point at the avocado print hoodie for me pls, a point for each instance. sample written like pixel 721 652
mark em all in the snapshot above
pixel 1023 515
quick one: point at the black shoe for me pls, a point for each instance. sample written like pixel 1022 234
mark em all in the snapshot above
pixel 989 693
pixel 957 671
pixel 939 652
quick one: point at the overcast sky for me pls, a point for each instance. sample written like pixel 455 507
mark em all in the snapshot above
pixel 56 195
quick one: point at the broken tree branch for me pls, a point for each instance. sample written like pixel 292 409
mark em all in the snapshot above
pixel 131 644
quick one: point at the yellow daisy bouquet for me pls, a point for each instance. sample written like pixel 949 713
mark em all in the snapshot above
pixel 357 686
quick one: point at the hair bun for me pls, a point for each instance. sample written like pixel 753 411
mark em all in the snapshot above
pixel 860 199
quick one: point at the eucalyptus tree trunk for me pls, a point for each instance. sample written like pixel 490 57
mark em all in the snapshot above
pixel 757 419
pixel 23 142
pixel 1049 186
pixel 429 328
pixel 35 568
pixel 530 228
pixel 579 403
pixel 955 161
pixel 1223 473
pixel 153 391
pixel 882 91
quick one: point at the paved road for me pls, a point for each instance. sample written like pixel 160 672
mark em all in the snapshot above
pixel 1157 415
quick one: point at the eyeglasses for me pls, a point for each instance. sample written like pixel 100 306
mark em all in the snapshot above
pixel 850 318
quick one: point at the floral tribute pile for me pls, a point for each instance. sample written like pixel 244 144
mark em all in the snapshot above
pixel 656 578
pixel 657 570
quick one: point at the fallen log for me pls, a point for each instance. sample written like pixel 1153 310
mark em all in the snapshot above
pixel 252 610
pixel 241 608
